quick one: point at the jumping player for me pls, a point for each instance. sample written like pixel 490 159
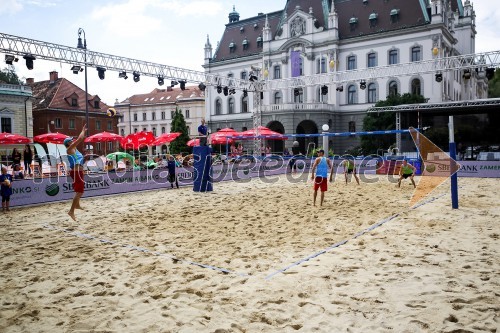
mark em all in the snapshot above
pixel 75 159
pixel 407 170
pixel 349 168
pixel 322 164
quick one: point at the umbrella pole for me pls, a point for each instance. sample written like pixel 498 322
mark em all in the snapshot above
pixel 227 148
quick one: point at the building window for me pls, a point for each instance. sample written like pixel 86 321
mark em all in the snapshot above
pixel 278 97
pixel 393 88
pixel 415 87
pixel 321 65
pixel 58 123
pixel 172 114
pixel 122 132
pixel 232 47
pixel 243 75
pixel 372 60
pixel 110 125
pixel 144 116
pixel 74 102
pixel 245 44
pixel 230 105
pixel 71 124
pixel 301 66
pixel 416 53
pixel 135 130
pixel 230 81
pixel 97 124
pixel 244 104
pixel 144 129
pixel 351 63
pixel 188 129
pixel 96 104
pixel 298 95
pixel 373 19
pixel 218 106
pixel 259 41
pixel 244 128
pixel 154 131
pixel 163 130
pixel 393 57
pixel 153 115
pixel 353 22
pixel 187 114
pixel 110 146
pixel 98 146
pixel 277 72
pixel 6 125
pixel 163 115
pixel 352 126
pixel 135 116
pixel 372 93
pixel 351 95
pixel 394 15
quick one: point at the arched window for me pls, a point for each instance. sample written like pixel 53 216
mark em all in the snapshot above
pixel 352 97
pixel 163 130
pixel 372 93
pixel 244 104
pixel 415 87
pixel 298 95
pixel 230 105
pixel 278 97
pixel 218 106
pixel 135 130
pixel 416 53
pixel 277 72
pixel 393 88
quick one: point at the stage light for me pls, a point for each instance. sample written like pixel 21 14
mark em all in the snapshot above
pixel 296 92
pixel 182 84
pixel 232 91
pixel 161 81
pixel 340 88
pixel 76 69
pixel 324 90
pixel 173 83
pixel 202 86
pixel 137 77
pixel 9 59
pixel 362 84
pixel 490 73
pixel 253 77
pixel 226 91
pixel 467 74
pixel 100 72
pixel 123 75
pixel 439 77
pixel 29 61
pixel 245 93
pixel 219 89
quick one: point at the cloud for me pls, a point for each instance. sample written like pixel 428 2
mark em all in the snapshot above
pixel 193 8
pixel 10 6
pixel 127 19
pixel 487 25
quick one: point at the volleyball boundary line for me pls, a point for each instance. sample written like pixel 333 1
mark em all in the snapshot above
pixel 143 250
pixel 359 234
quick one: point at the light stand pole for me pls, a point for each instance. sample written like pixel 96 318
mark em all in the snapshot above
pixel 84 47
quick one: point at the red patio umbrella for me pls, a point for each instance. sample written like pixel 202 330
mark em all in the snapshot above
pixel 265 132
pixel 104 137
pixel 193 142
pixel 165 138
pixel 57 138
pixel 220 139
pixel 10 138
pixel 136 140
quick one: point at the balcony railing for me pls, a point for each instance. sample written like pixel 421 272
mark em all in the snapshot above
pixel 15 87
pixel 298 107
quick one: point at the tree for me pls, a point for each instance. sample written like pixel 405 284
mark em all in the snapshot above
pixel 179 145
pixel 9 76
pixel 494 85
pixel 384 121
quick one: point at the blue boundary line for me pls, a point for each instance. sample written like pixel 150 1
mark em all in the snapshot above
pixel 141 249
pixel 359 234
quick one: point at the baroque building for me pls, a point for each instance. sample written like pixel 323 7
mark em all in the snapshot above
pixel 311 37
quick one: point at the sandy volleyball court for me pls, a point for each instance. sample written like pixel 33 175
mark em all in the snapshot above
pixel 178 261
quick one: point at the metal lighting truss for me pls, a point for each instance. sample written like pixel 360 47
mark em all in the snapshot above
pixel 437 106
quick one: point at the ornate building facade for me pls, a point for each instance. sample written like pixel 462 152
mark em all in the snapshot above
pixel 310 37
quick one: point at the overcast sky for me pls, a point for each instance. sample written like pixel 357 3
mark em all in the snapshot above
pixel 170 32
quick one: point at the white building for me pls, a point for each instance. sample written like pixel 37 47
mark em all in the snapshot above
pixel 309 37
pixel 154 111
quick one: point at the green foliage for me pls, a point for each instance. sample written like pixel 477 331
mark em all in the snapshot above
pixel 494 85
pixel 9 76
pixel 179 145
pixel 384 121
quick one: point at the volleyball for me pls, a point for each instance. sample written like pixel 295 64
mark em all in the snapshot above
pixel 6 182
pixel 111 112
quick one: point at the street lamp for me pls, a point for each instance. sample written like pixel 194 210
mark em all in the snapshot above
pixel 84 47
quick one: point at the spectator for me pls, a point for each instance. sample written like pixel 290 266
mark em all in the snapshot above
pixel 5 189
pixel 202 133
pixel 28 159
pixel 172 177
pixel 16 157
pixel 18 174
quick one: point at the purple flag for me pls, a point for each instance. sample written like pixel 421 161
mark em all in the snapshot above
pixel 296 62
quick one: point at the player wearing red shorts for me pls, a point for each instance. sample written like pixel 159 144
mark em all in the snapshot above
pixel 320 167
pixel 75 159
